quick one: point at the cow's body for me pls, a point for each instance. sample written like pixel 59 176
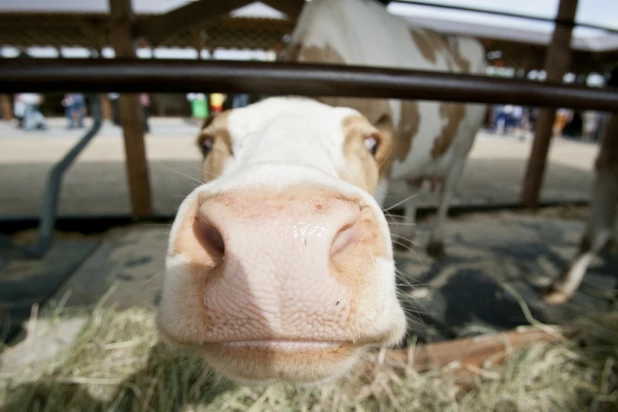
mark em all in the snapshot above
pixel 432 139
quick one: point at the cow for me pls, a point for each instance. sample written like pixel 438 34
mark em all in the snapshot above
pixel 280 266
pixel 432 139
pixel 601 222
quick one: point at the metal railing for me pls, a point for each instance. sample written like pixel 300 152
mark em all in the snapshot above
pixel 167 76
pixel 51 196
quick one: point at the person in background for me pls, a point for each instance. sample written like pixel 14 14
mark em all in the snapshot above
pixel 199 106
pixel 563 117
pixel 144 101
pixel 113 99
pixel 75 108
pixel 504 119
pixel 495 117
pixel 33 118
pixel 19 111
pixel 216 102
pixel 66 102
pixel 515 121
pixel 591 125
pixel 240 100
pixel 525 124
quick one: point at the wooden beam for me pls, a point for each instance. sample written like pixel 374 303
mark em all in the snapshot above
pixel 158 28
pixel 89 30
pixel 131 114
pixel 467 357
pixel 7 107
pixel 198 41
pixel 528 60
pixel 100 40
pixel 471 353
pixel 557 62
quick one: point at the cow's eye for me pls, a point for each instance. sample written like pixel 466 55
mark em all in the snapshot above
pixel 372 143
pixel 207 145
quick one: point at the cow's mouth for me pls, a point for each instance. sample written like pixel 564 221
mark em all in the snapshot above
pixel 297 361
pixel 284 344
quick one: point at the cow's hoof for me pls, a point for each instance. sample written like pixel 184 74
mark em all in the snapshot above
pixel 435 249
pixel 402 244
pixel 555 297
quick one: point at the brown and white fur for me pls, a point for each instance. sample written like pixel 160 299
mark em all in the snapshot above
pixel 431 139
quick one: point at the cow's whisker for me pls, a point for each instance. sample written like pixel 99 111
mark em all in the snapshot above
pixel 406 239
pixel 179 173
pixel 412 196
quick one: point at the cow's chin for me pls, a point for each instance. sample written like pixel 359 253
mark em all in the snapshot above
pixel 263 362
pixel 252 363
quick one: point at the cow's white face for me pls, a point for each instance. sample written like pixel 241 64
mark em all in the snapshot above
pixel 280 267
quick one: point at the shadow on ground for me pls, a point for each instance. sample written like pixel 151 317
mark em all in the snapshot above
pixel 494 275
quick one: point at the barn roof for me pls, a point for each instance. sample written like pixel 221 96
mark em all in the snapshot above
pixel 502 27
pixel 442 20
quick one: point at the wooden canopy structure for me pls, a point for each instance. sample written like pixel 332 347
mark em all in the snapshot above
pixel 94 31
pixel 201 26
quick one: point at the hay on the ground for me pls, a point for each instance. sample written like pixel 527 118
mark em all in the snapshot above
pixel 117 364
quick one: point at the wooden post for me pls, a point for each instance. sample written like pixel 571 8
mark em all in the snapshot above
pixel 131 114
pixel 106 107
pixel 557 62
pixel 608 153
pixel 7 107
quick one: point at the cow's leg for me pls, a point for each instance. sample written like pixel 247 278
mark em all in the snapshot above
pixel 603 207
pixel 435 247
pixel 405 231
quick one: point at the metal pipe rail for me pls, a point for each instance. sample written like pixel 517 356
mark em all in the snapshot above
pixel 51 196
pixel 169 76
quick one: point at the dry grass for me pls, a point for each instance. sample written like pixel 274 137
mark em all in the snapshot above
pixel 117 364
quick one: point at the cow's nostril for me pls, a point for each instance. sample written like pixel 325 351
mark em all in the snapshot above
pixel 346 236
pixel 210 238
